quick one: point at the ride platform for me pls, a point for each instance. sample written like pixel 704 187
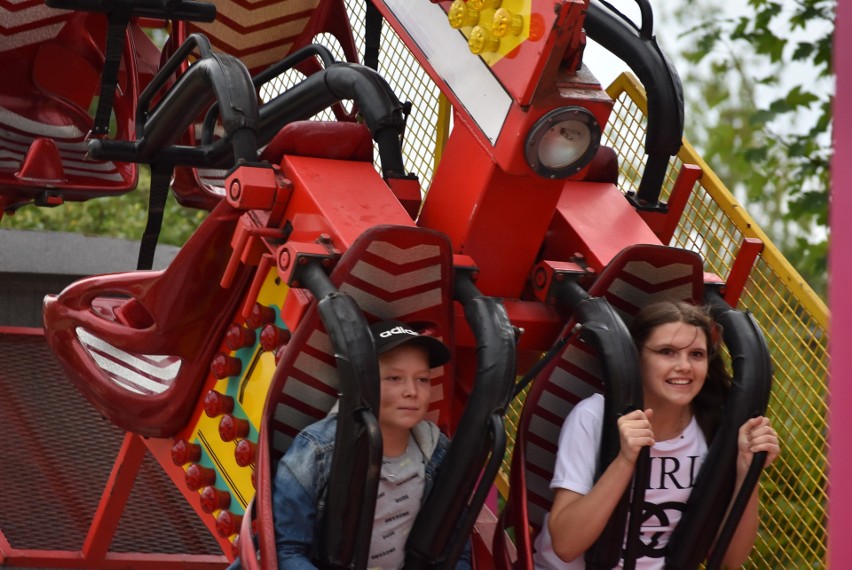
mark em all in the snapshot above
pixel 77 492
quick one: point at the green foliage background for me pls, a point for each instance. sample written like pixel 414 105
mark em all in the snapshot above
pixel 759 93
pixel 759 109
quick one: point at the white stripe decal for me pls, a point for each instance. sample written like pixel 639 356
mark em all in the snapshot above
pixel 630 292
pixel 483 97
pixel 655 275
pixel 142 371
pixel 400 256
pixel 395 283
pixel 375 306
pixel 29 126
pixel 127 376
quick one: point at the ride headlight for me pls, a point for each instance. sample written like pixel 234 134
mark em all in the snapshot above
pixel 562 142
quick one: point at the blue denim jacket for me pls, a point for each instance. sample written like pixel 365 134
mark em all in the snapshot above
pixel 299 491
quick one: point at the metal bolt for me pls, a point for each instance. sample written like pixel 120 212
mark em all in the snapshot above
pixel 235 189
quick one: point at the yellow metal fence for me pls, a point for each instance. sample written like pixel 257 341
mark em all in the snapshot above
pixel 794 320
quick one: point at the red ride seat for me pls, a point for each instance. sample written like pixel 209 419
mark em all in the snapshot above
pixel 138 345
pixel 637 276
pixel 51 61
pixel 395 272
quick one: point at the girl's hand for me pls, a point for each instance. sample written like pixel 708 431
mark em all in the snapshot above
pixel 635 433
pixel 756 435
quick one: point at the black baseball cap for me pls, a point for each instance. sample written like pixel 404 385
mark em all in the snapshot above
pixel 388 335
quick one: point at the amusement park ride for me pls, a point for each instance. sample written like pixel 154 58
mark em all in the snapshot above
pixel 535 243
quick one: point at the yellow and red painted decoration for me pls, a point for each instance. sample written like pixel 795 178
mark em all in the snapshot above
pixel 515 37
pixel 217 450
pixel 493 28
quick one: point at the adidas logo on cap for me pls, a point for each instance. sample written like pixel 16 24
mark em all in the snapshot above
pixel 397 330
pixel 391 334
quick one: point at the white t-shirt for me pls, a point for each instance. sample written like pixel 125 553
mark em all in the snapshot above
pixel 674 467
pixel 401 485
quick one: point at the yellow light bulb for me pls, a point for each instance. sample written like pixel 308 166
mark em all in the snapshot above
pixel 461 15
pixel 481 41
pixel 505 23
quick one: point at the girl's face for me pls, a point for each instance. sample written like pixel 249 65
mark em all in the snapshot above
pixel 674 365
pixel 405 387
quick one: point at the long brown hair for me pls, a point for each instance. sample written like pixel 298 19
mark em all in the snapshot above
pixel 707 405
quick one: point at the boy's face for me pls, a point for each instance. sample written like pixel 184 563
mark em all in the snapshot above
pixel 405 387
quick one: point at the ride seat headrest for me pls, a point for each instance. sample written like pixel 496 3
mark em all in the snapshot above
pixel 321 139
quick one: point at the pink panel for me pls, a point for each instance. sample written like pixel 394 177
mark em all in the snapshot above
pixel 840 451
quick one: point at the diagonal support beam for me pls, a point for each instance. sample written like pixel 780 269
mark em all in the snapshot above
pixel 115 496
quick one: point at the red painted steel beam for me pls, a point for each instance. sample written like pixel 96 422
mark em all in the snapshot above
pixel 116 492
pixel 665 224
pixel 95 551
pixel 22 331
pixel 741 269
pixel 117 561
pixel 5 548
pixel 594 220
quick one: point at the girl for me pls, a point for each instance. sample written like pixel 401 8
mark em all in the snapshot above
pixel 684 383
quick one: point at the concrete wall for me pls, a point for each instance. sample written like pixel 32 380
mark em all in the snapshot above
pixel 34 264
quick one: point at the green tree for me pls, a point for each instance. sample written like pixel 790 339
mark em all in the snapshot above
pixel 759 92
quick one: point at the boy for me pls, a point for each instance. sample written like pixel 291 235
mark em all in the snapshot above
pixel 413 449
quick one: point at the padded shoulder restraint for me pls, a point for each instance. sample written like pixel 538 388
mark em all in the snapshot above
pixel 395 272
pixel 749 396
pixel 637 276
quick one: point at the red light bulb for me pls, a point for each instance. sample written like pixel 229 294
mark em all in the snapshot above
pixel 245 453
pixel 238 337
pixel 227 523
pixel 216 404
pixel 271 337
pixel 212 499
pixel 224 366
pixel 259 316
pixel 184 452
pixel 198 476
pixel 231 428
